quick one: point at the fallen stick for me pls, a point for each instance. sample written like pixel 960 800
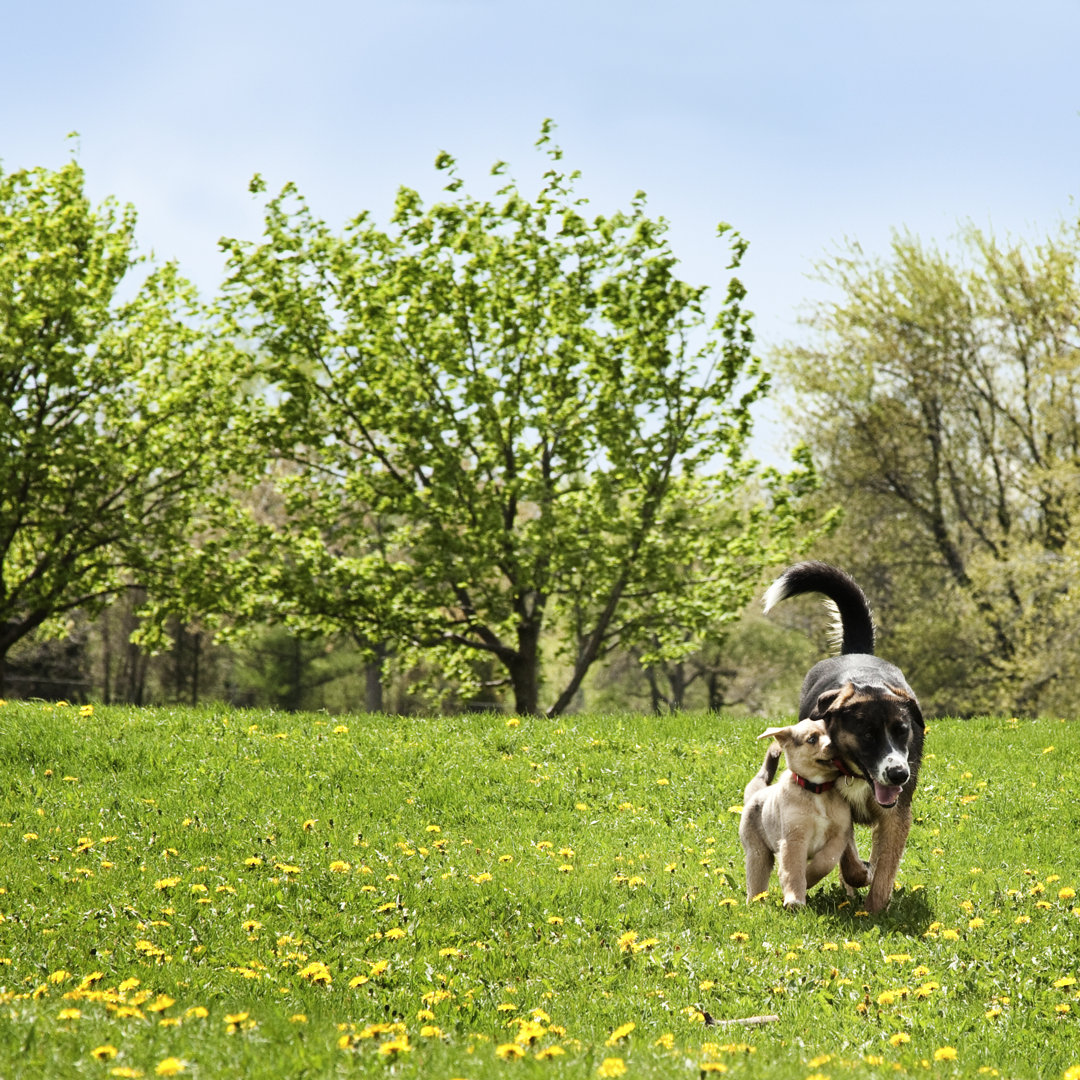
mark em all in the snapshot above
pixel 747 1021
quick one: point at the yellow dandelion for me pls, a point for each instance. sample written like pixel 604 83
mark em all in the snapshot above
pixel 509 1052
pixel 166 883
pixel 945 1053
pixel 611 1066
pixel 899 1039
pixel 1066 893
pixel 399 1045
pixel 316 973
pixel 170 1066
pixel 620 1033
pixel 104 1053
pixel 69 1014
pixel 197 1012
pixel 712 1067
pixel 549 1052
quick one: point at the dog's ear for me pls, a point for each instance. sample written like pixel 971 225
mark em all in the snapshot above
pixel 905 695
pixel 916 713
pixel 780 734
pixel 825 702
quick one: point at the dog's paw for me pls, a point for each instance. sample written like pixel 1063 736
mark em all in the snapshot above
pixel 856 877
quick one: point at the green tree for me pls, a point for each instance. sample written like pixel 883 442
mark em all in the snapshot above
pixel 942 402
pixel 114 414
pixel 500 417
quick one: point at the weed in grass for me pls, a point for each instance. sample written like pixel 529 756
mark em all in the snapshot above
pixel 217 893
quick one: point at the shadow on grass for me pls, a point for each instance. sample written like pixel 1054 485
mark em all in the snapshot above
pixel 908 913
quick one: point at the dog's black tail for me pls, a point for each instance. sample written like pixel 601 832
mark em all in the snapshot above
pixel 856 619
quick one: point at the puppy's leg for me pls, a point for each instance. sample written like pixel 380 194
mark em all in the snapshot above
pixel 823 862
pixel 890 836
pixel 759 864
pixel 792 868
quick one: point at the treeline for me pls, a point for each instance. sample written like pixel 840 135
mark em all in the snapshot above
pixel 941 397
pixel 482 451
pixel 493 454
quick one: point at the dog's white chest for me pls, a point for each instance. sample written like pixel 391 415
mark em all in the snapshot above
pixel 819 824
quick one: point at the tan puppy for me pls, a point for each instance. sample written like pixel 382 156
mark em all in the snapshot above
pixel 802 819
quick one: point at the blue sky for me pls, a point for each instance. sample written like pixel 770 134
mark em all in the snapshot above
pixel 800 123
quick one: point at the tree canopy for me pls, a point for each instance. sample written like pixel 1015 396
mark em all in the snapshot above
pixel 942 402
pixel 113 411
pixel 499 416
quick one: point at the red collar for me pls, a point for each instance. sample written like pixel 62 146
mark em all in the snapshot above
pixel 817 789
pixel 843 770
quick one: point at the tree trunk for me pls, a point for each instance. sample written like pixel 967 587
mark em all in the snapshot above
pixel 196 650
pixel 524 669
pixel 373 680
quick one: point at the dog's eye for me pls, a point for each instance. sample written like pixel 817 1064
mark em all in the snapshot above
pixel 812 740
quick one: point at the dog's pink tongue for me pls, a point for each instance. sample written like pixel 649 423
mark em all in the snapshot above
pixel 886 794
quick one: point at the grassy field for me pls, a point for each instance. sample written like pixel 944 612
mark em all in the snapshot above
pixel 213 893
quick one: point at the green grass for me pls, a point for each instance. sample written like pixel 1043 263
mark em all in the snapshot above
pixel 266 895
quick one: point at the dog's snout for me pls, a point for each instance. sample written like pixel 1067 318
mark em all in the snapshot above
pixel 897 773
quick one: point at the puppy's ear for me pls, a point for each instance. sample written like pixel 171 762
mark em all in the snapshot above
pixel 780 734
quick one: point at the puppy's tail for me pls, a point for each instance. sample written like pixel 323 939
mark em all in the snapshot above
pixel 764 776
pixel 856 621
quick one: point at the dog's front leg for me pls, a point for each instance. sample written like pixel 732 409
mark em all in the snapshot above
pixel 890 835
pixel 792 868
pixel 854 873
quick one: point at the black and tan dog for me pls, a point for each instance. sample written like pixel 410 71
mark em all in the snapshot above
pixel 872 717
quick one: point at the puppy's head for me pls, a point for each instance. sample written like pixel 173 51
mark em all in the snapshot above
pixel 873 728
pixel 808 748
